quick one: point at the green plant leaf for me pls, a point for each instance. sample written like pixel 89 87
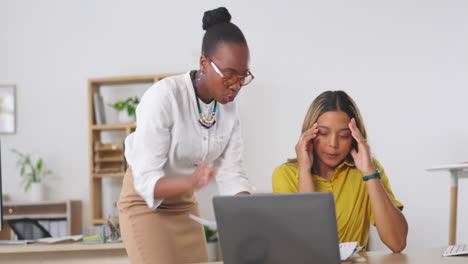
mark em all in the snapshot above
pixel 27 160
pixel 30 171
pixel 17 152
pixel 129 102
pixel 210 234
pixel 27 186
pixel 39 165
pixel 119 105
pixel 130 110
pixel 23 170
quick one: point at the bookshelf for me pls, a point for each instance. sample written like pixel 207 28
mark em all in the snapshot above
pixel 106 159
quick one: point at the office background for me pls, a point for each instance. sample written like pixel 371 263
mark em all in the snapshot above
pixel 404 62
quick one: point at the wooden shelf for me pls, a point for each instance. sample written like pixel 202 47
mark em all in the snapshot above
pixel 33 203
pixel 130 79
pixel 110 174
pixel 101 221
pixel 111 159
pixel 101 156
pixel 98 146
pixel 37 216
pixel 114 126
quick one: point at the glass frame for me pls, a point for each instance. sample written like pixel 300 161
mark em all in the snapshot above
pixel 238 77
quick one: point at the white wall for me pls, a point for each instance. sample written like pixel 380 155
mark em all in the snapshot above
pixel 404 62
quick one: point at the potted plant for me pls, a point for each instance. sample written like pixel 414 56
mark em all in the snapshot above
pixel 212 244
pixel 126 109
pixel 33 173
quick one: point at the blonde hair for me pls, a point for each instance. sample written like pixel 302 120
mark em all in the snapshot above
pixel 331 101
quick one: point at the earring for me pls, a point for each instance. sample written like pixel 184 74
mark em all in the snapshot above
pixel 201 75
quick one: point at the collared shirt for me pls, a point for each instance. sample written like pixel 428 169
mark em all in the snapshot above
pixel 168 139
pixel 353 208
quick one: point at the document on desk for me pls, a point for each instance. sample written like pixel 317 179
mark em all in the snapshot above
pixel 208 223
pixel 57 240
pixel 47 240
pixel 347 249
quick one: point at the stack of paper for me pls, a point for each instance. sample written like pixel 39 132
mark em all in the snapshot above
pixel 59 240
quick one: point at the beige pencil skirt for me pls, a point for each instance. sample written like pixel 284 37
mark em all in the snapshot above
pixel 164 235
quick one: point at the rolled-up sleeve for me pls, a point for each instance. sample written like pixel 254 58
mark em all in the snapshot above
pixel 146 150
pixel 231 177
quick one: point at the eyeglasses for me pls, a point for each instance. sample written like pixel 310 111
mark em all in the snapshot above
pixel 229 80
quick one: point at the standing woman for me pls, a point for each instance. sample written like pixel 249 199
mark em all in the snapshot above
pixel 184 123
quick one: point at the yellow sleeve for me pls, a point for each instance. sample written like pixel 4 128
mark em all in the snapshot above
pixel 386 184
pixel 285 179
pixel 388 188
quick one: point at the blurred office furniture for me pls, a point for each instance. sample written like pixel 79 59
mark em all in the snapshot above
pixel 27 229
pixel 106 160
pixel 59 218
pixel 457 171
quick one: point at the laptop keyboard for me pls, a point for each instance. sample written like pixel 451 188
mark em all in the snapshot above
pixel 456 250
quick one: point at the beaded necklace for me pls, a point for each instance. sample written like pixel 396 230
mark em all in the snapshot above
pixel 202 120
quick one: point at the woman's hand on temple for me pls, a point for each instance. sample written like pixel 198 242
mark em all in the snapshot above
pixel 362 156
pixel 304 147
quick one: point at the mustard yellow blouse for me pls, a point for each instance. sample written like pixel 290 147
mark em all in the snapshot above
pixel 353 207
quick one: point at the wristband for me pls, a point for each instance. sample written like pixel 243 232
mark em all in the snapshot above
pixel 372 176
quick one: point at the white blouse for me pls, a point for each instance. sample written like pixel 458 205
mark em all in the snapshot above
pixel 168 139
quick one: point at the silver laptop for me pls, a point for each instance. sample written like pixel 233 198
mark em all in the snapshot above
pixel 277 228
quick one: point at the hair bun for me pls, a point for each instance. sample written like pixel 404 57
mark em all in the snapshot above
pixel 215 16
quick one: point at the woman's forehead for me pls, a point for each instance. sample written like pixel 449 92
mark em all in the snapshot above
pixel 333 119
pixel 231 56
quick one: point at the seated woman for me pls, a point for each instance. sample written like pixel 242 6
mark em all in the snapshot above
pixel 333 156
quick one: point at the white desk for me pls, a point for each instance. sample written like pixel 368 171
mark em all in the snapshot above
pixel 73 253
pixel 457 171
pixel 115 254
pixel 415 256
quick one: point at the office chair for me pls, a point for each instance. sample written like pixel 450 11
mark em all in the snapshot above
pixel 28 229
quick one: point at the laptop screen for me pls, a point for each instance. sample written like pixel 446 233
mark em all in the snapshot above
pixel 277 228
